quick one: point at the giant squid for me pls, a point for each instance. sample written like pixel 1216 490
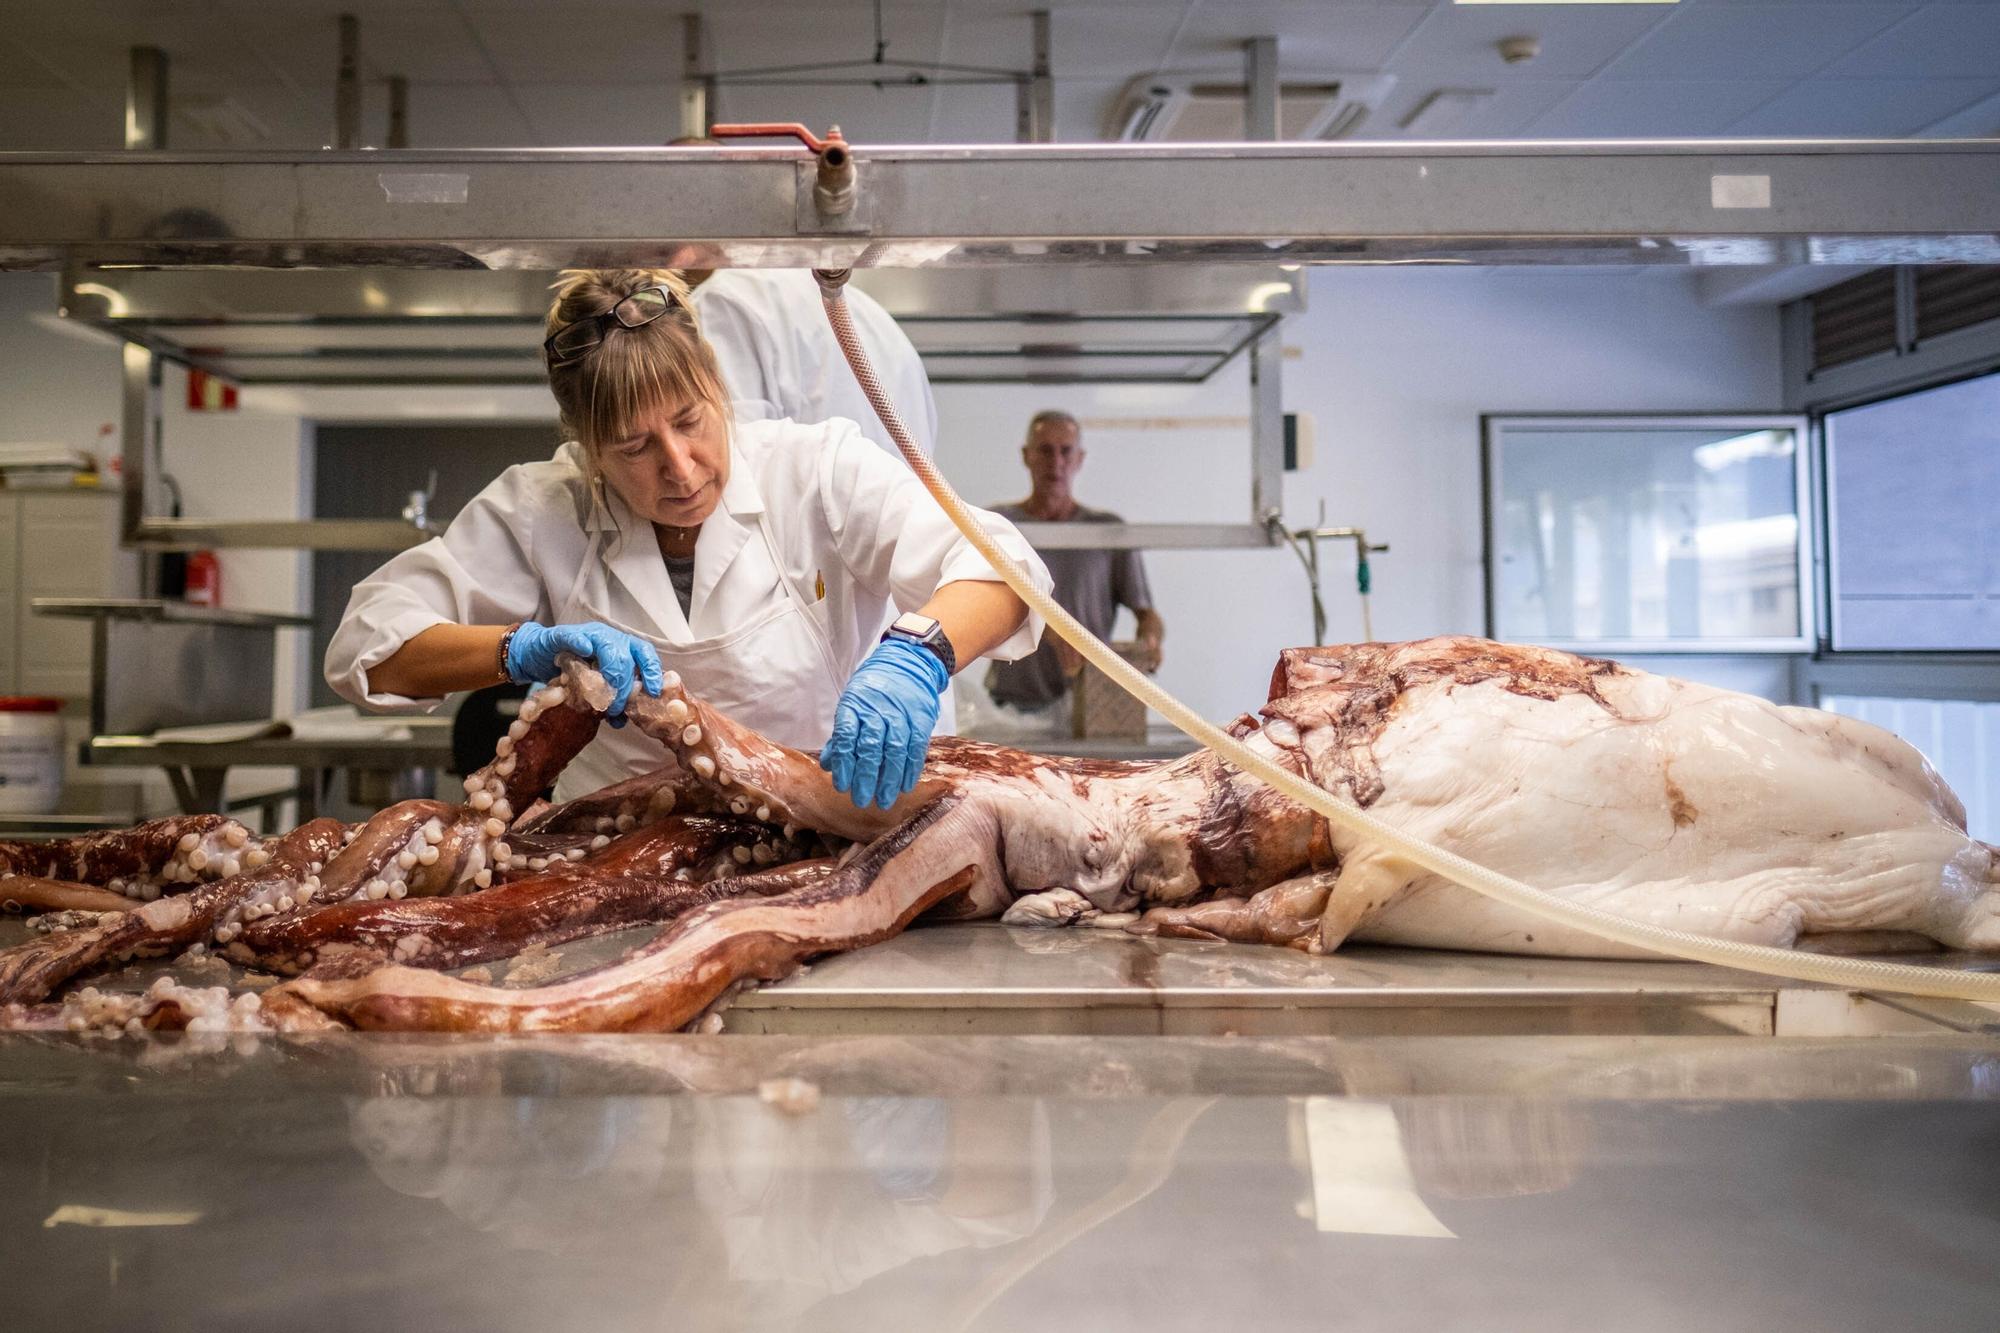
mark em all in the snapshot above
pixel 1654 798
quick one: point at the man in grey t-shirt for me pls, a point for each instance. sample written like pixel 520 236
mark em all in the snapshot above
pixel 1090 584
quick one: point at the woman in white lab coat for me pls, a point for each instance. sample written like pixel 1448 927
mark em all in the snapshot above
pixel 756 558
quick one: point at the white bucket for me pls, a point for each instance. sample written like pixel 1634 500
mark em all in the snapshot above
pixel 31 759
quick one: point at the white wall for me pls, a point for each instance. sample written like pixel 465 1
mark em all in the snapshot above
pixel 60 381
pixel 1395 366
pixel 248 464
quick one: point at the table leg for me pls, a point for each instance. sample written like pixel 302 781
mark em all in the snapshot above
pixel 183 789
pixel 199 790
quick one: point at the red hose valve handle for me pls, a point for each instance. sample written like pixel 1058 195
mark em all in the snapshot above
pixel 834 189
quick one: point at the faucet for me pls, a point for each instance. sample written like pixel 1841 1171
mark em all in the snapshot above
pixel 1305 544
pixel 417 510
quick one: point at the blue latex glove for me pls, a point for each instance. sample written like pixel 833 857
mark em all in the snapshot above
pixel 622 658
pixel 882 724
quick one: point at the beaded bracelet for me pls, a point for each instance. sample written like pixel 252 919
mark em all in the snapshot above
pixel 506 642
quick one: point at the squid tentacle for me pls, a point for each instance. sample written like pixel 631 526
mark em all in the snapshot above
pixel 645 876
pixel 668 983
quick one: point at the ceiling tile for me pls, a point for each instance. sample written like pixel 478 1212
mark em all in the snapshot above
pixel 21 71
pixel 299 44
pixel 745 35
pixel 1311 36
pixel 1100 40
pixel 462 115
pixel 91 55
pixel 1775 41
pixel 1507 114
pixel 1455 45
pixel 601 114
pixel 1861 108
pixel 524 51
pixel 1979 120
pixel 1643 108
pixel 608 70
pixel 57 120
pixel 986 115
pixel 265 116
pixel 1940 41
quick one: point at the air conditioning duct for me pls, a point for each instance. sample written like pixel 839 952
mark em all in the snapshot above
pixel 1188 108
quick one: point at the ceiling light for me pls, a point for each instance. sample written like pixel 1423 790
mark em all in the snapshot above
pixel 1260 297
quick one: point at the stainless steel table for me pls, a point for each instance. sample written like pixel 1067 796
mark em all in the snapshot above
pixel 1160 742
pixel 988 979
pixel 198 769
pixel 887 1141
pixel 990 1183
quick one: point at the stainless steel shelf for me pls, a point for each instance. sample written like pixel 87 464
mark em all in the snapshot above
pixel 426 747
pixel 152 608
pixel 1625 202
pixel 300 534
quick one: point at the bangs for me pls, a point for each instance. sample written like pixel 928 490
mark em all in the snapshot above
pixel 662 365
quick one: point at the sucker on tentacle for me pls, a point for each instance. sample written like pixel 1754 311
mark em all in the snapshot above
pixel 668 983
pixel 141 862
pixel 31 972
pixel 642 877
pixel 609 811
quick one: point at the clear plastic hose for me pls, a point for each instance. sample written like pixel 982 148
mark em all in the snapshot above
pixel 1853 973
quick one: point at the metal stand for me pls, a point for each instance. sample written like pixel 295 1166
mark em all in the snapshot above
pixel 1305 545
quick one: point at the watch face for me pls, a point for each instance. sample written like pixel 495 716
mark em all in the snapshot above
pixel 912 623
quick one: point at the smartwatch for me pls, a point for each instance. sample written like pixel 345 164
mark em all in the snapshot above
pixel 925 633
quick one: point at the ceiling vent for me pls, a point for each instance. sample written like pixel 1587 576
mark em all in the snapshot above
pixel 1854 319
pixel 1196 109
pixel 1956 296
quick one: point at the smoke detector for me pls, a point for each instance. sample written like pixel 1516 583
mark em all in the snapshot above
pixel 1519 50
pixel 1199 109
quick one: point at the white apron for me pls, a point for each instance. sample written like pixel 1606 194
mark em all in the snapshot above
pixel 776 673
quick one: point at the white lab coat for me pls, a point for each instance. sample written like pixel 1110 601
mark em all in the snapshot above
pixel 779 357
pixel 816 536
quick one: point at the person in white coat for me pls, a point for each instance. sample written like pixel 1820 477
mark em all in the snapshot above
pixel 756 558
pixel 779 357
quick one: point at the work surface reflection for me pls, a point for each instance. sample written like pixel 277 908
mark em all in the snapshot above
pixel 988 1183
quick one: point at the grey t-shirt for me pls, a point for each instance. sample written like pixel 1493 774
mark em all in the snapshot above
pixel 1091 585
pixel 681 571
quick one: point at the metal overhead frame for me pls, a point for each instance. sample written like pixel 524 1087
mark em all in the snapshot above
pixel 404 327
pixel 1683 203
pixel 1626 202
pixel 408 327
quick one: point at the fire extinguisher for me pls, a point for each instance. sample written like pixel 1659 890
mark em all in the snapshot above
pixel 204 579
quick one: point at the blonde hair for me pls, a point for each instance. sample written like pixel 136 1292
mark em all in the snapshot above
pixel 602 391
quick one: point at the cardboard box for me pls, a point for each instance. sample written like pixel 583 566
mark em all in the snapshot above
pixel 1099 709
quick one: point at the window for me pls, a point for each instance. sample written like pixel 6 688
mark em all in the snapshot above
pixel 1636 534
pixel 1960 737
pixel 1913 489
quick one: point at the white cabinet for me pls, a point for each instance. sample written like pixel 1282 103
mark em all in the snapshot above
pixel 56 544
